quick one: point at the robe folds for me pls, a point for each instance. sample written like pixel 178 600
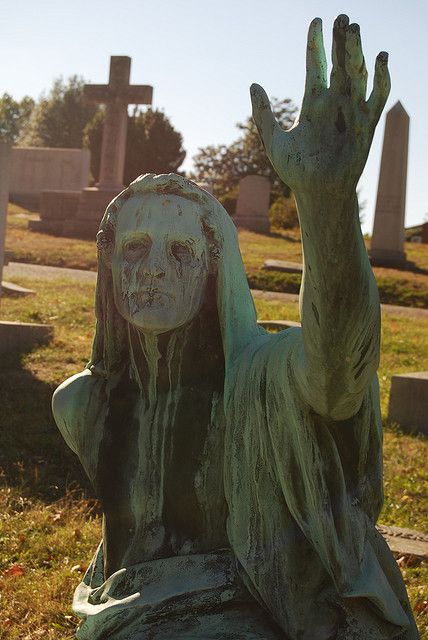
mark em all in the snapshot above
pixel 303 497
pixel 297 555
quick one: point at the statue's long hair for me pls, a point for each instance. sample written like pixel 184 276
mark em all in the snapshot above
pixel 110 352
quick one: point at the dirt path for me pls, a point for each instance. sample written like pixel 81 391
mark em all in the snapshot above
pixel 410 312
pixel 23 270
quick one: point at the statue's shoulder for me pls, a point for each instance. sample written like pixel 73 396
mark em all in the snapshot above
pixel 73 401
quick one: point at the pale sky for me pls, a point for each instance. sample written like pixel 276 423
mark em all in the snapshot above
pixel 202 55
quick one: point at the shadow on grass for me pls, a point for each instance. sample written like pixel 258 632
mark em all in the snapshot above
pixel 407 267
pixel 33 455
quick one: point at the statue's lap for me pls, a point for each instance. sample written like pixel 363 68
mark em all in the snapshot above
pixel 244 622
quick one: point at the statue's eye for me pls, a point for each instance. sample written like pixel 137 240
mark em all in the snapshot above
pixel 181 252
pixel 135 249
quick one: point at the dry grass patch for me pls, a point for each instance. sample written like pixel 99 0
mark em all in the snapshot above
pixel 44 550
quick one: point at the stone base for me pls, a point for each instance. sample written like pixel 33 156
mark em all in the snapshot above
pixel 66 228
pixel 93 202
pixel 252 223
pixel 73 213
pixel 408 404
pixel 387 258
pixel 59 205
pixel 19 337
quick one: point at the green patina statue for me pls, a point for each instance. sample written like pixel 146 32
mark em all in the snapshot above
pixel 240 473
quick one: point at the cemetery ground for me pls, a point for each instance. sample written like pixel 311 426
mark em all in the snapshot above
pixel 398 287
pixel 49 523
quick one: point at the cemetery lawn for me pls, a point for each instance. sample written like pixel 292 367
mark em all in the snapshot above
pixel 400 287
pixel 49 524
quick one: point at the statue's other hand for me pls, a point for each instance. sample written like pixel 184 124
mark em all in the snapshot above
pixel 328 145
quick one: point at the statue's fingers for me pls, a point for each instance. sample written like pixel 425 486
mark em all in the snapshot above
pixel 381 88
pixel 354 61
pixel 339 78
pixel 263 117
pixel 316 63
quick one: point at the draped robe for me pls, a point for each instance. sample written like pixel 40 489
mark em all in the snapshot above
pixel 287 499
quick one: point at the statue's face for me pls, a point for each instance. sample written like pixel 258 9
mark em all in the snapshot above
pixel 160 262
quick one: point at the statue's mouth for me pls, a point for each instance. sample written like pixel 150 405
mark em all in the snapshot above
pixel 149 298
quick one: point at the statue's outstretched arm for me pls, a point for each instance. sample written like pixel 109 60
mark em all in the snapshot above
pixel 321 158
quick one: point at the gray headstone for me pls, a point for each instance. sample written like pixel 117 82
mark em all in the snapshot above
pixel 387 246
pixel 253 204
pixel 408 404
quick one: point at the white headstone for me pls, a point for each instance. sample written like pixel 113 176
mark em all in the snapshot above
pixel 253 204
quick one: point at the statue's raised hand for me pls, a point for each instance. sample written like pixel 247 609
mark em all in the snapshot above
pixel 327 147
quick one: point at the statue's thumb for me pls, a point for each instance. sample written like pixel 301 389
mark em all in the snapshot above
pixel 263 116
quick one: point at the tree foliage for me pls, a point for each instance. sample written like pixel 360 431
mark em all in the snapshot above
pixel 224 165
pixel 58 119
pixel 152 144
pixel 283 213
pixel 13 115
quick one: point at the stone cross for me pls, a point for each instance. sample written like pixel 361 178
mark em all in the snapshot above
pixel 5 148
pixel 387 246
pixel 116 96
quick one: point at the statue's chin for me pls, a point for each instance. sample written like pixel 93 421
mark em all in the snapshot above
pixel 156 319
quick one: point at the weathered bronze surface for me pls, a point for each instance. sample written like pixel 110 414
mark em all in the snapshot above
pixel 240 472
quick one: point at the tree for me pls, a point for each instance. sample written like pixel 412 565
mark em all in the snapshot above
pixel 223 166
pixel 58 120
pixel 13 115
pixel 152 144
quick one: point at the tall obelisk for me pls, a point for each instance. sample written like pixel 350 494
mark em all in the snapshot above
pixel 387 246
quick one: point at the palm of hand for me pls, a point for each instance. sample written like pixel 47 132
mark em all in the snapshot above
pixel 328 146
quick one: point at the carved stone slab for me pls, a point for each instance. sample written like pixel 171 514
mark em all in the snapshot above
pixel 405 541
pixel 283 265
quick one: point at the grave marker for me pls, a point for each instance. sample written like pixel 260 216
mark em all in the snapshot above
pixel 5 148
pixel 387 245
pixel 408 404
pixel 253 204
pixel 15 336
pixel 117 95
pixel 79 213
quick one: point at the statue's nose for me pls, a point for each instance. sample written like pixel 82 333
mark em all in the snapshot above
pixel 155 264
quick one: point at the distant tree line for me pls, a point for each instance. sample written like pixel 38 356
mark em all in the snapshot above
pixel 63 118
pixel 223 166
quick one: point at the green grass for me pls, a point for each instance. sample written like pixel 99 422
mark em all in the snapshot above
pixel 407 288
pixel 48 526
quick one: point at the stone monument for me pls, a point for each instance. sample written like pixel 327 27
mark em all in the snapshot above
pixel 14 336
pixel 37 169
pixel 408 405
pixel 253 204
pixel 240 472
pixel 79 212
pixel 5 149
pixel 387 245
